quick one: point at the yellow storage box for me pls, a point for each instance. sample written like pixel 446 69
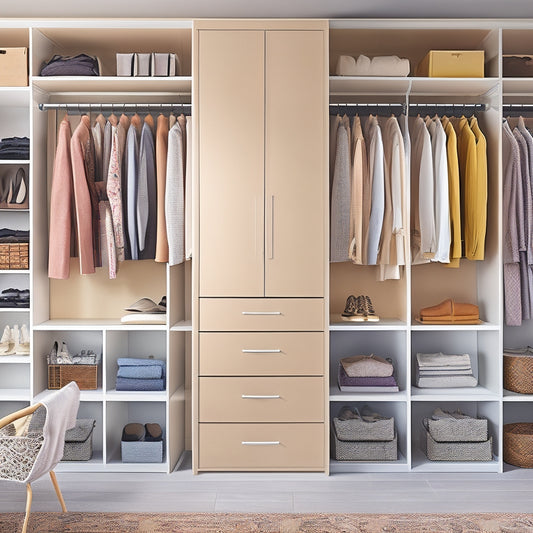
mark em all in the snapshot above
pixel 452 64
pixel 13 67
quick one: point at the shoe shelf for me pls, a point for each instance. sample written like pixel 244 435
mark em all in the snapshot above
pixel 182 325
pixel 19 359
pixel 14 162
pixel 95 325
pixel 336 323
pixel 485 326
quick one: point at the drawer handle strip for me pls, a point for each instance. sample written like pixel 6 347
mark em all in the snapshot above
pixel 261 351
pixel 260 396
pixel 260 443
pixel 261 312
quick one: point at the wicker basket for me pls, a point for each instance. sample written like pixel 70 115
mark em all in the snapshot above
pixel 457 430
pixel 518 444
pixel 347 450
pixel 457 451
pixel 360 430
pixel 518 373
pixel 14 256
pixel 79 441
pixel 86 376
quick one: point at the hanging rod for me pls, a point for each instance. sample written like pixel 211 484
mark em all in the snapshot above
pixel 88 107
pixel 511 109
pixel 450 108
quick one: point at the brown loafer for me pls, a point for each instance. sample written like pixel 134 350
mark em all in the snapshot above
pixel 449 312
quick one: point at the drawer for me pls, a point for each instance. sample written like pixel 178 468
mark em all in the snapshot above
pixel 261 314
pixel 261 354
pixel 259 399
pixel 261 447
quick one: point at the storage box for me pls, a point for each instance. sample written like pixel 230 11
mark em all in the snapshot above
pixel 518 444
pixel 79 441
pixel 13 67
pixel 517 65
pixel 360 430
pixel 457 451
pixel 452 64
pixel 458 430
pixel 348 450
pixel 86 376
pixel 518 372
pixel 142 451
pixel 14 256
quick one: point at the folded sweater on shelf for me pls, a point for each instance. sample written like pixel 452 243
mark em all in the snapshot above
pixel 366 384
pixel 141 372
pixel 132 384
pixel 440 359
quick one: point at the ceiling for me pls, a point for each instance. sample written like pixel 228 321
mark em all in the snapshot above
pixel 270 8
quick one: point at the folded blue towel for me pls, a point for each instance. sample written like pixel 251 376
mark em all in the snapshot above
pixel 130 384
pixel 139 361
pixel 140 372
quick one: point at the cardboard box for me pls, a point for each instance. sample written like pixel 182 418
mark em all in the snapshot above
pixel 453 64
pixel 13 67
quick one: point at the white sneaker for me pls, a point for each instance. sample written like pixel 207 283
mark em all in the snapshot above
pixel 63 356
pixel 6 342
pixel 24 341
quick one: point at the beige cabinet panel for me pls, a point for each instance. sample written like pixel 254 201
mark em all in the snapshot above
pixel 260 399
pixel 231 162
pixel 261 446
pixel 261 314
pixel 295 163
pixel 261 354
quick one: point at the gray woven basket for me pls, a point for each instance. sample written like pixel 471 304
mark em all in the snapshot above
pixel 457 451
pixel 458 430
pixel 344 450
pixel 142 451
pixel 360 430
pixel 79 441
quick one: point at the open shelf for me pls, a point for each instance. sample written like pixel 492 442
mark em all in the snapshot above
pixel 509 396
pixel 420 463
pixel 14 162
pixel 118 466
pixel 336 323
pixel 14 96
pixel 136 396
pixel 401 465
pixel 335 395
pixel 94 464
pixel 15 271
pixel 453 394
pixel 23 359
pixel 485 326
pixel 182 325
pixel 15 395
pixel 95 324
pixel 96 395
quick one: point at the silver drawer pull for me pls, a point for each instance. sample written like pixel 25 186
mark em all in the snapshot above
pixel 261 312
pixel 261 351
pixel 260 397
pixel 260 443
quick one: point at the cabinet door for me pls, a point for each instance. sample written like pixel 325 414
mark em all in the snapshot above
pixel 231 162
pixel 295 202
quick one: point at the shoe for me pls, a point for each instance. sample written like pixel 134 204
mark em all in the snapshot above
pixel 52 356
pixel 15 335
pixel 153 432
pixel 24 343
pixel 449 312
pixel 63 356
pixel 19 188
pixel 6 342
pixel 353 310
pixel 368 310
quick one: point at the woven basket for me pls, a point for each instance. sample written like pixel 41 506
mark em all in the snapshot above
pixel 518 373
pixel 457 451
pixel 360 430
pixel 518 444
pixel 79 441
pixel 458 430
pixel 14 256
pixel 86 376
pixel 345 450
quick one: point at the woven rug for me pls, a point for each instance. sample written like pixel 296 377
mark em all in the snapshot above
pixel 267 523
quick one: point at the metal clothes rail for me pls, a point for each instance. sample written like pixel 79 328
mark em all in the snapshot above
pixel 403 108
pixel 82 108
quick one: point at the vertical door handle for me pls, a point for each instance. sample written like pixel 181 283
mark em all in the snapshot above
pixel 270 250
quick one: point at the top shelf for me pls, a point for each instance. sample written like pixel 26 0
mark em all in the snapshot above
pixel 393 85
pixel 100 84
pixel 14 96
pixel 94 325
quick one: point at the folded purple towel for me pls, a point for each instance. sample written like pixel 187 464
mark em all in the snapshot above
pixel 346 381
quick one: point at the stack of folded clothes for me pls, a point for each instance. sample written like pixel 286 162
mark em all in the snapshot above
pixel 80 65
pixel 15 148
pixel 15 298
pixel 140 374
pixel 376 66
pixel 14 235
pixel 438 370
pixel 366 373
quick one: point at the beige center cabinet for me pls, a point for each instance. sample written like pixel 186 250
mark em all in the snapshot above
pixel 262 343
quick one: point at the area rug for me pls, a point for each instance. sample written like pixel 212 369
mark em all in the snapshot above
pixel 267 523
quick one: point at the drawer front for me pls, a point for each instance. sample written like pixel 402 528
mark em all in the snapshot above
pixel 259 399
pixel 261 354
pixel 261 447
pixel 261 314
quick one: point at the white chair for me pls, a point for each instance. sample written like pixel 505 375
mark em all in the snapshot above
pixel 30 451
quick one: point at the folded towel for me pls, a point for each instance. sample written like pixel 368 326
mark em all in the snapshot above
pixel 446 382
pixel 366 366
pixel 140 361
pixel 130 384
pixel 453 372
pixel 440 359
pixel 378 66
pixel 140 372
pixel 387 383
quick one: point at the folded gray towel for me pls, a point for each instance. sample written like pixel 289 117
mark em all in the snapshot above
pixel 441 359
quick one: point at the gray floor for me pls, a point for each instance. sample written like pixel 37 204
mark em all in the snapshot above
pixel 279 493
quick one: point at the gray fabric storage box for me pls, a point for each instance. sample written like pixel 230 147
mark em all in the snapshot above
pixel 360 430
pixel 457 451
pixel 458 430
pixel 142 451
pixel 348 450
pixel 79 441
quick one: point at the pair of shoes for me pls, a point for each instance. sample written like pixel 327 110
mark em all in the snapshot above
pixel 13 189
pixel 359 309
pixel 146 305
pixel 15 341
pixel 135 432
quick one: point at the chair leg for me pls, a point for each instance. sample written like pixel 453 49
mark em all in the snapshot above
pixel 28 508
pixel 58 491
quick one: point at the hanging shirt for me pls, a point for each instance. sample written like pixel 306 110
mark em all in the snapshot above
pixel 188 191
pixel 454 195
pixel 340 199
pixel 359 169
pixel 441 190
pixel 114 179
pixel 511 222
pixel 132 166
pixel 334 123
pixel 174 197
pixel 161 147
pixel 384 257
pixel 98 138
pixel 61 199
pixel 423 240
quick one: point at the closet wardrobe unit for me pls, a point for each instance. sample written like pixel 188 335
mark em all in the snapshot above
pixel 259 376
pixel 85 311
pixel 398 335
